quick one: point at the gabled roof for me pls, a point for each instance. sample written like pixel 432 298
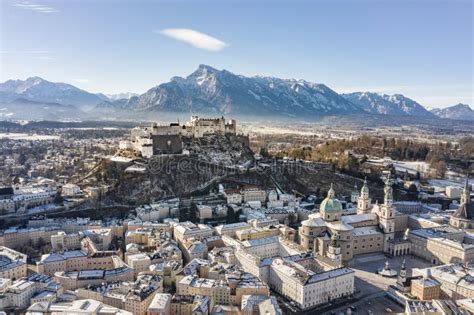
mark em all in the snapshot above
pixel 314 222
pixel 465 211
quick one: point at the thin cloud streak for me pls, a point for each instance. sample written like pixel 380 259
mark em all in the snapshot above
pixel 194 38
pixel 25 5
pixel 45 55
pixel 25 51
pixel 44 58
pixel 392 88
pixel 81 80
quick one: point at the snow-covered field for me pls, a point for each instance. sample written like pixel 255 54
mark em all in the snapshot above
pixel 402 166
pixel 40 209
pixel 25 136
pixel 447 182
pixel 135 169
pixel 121 159
pixel 276 130
pixel 416 166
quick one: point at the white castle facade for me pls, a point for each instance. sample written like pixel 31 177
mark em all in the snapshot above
pixel 166 139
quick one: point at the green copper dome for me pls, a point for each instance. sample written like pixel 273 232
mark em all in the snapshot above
pixel 355 191
pixel 330 203
pixel 365 188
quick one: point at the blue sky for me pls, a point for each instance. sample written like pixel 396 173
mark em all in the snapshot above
pixel 422 49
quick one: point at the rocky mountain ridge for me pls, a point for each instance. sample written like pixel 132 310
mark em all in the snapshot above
pixel 206 91
pixel 397 104
pixel 458 111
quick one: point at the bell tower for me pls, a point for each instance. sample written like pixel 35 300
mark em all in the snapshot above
pixel 334 250
pixel 402 276
pixel 364 204
pixel 387 215
pixel 354 194
pixel 466 194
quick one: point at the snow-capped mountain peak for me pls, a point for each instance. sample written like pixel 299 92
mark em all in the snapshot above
pixel 458 111
pixel 380 103
pixel 40 90
pixel 210 90
pixel 120 96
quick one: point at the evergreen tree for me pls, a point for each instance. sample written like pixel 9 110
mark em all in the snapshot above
pixel 230 215
pixel 193 212
pixel 58 199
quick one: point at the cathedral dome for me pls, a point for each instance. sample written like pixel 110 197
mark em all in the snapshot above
pixel 330 203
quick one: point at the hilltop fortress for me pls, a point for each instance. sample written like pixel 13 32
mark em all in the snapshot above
pixel 167 139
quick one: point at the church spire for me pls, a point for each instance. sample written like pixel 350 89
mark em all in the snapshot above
pixel 466 194
pixel 388 196
pixel 402 276
pixel 365 188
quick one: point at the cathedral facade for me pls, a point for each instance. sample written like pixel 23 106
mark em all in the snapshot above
pixel 372 229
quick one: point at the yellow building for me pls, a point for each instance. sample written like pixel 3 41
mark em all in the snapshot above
pixel 255 233
pixel 425 288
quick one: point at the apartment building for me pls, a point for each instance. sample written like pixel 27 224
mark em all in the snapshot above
pixel 307 288
pixel 12 264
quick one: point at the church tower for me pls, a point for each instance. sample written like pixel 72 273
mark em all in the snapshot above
pixel 466 193
pixel 364 204
pixel 387 215
pixel 402 277
pixel 334 250
pixel 354 194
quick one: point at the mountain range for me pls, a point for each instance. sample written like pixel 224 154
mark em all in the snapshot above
pixel 37 89
pixel 207 91
pixel 458 111
pixel 384 104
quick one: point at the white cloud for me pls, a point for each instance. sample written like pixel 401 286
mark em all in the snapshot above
pixel 34 54
pixel 81 80
pixel 24 51
pixel 47 58
pixel 194 38
pixel 40 8
pixel 393 89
